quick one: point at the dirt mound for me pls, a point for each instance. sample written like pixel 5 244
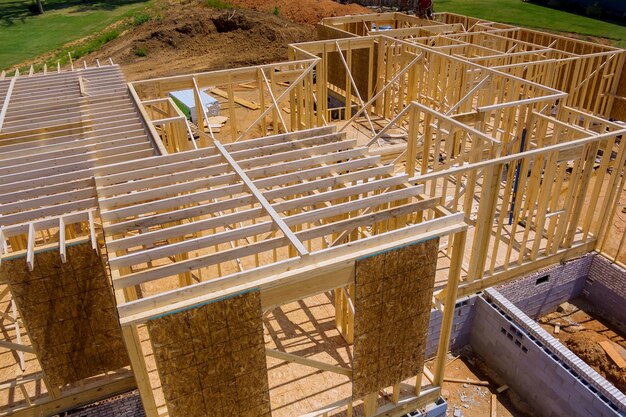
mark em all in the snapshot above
pixel 586 347
pixel 228 22
pixel 582 329
pixel 192 39
pixel 308 12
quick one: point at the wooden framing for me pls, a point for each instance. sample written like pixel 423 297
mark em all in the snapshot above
pixel 279 90
pixel 336 202
pixel 390 132
pixel 590 73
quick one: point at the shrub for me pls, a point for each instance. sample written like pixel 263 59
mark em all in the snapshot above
pixel 141 52
pixel 276 11
pixel 219 4
pixel 141 18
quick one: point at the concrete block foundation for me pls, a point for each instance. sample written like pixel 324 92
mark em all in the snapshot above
pixel 605 287
pixel 536 365
pixel 541 292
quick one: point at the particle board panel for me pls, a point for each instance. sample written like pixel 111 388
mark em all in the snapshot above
pixel 69 312
pixel 392 309
pixel 211 359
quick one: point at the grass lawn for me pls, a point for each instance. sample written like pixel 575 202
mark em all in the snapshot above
pixel 25 36
pixel 517 12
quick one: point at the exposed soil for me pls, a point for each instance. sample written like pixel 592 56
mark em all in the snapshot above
pixel 308 12
pixel 581 330
pixel 473 400
pixel 192 39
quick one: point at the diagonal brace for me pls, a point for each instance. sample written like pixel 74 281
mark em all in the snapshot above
pixel 262 200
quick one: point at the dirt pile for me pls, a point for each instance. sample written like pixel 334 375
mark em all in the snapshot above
pixel 585 345
pixel 192 39
pixel 582 329
pixel 308 12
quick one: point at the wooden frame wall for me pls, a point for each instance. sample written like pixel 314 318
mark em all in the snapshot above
pixel 282 94
pixel 590 73
pixel 476 96
pixel 31 391
pixel 285 216
pixel 556 194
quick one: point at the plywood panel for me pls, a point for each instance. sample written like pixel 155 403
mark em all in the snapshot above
pixel 69 312
pixel 211 359
pixel 392 308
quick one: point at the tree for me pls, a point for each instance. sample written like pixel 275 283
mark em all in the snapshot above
pixel 39 6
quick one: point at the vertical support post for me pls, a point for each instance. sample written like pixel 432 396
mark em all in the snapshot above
pixel 138 365
pixel 370 404
pixel 199 106
pixel 458 248
pixel 484 225
pixel 231 110
pixel 259 78
pixel 411 150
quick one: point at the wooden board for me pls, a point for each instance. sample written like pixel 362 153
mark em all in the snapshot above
pixel 69 313
pixel 612 350
pixel 211 359
pixel 246 103
pixel 392 310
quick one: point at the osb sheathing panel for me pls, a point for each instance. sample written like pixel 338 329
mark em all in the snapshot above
pixel 393 293
pixel 211 359
pixel 69 312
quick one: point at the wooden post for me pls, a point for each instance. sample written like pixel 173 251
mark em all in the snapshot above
pixel 370 404
pixel 458 248
pixel 138 365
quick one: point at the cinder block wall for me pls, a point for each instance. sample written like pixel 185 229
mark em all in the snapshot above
pixel 531 369
pixel 606 289
pixel 461 327
pixel 541 292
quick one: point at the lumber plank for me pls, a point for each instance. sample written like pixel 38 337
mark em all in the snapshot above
pixel 612 351
pixel 245 103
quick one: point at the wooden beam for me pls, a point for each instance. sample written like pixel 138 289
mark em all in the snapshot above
pixel 289 357
pixel 261 199
pixel 138 365
pixel 7 100
pixel 16 346
pixel 75 397
pixel 287 273
pixel 30 251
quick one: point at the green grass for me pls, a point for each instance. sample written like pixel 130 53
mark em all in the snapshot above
pixel 24 36
pixel 517 12
pixel 219 4
pixel 141 52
